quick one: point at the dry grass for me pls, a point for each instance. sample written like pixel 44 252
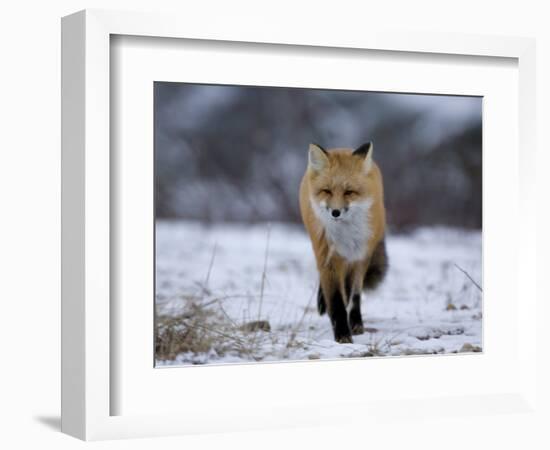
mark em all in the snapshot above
pixel 204 329
pixel 187 332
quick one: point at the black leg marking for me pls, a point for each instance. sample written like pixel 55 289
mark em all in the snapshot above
pixel 355 319
pixel 348 288
pixel 321 305
pixel 339 319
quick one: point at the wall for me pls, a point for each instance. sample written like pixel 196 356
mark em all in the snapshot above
pixel 29 177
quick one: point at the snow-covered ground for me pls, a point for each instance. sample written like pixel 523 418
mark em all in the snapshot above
pixel 426 305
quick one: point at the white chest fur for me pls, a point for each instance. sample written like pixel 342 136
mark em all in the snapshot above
pixel 349 235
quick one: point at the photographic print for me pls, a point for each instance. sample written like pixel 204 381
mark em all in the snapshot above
pixel 308 224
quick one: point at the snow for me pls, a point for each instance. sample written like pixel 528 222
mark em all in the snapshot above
pixel 426 305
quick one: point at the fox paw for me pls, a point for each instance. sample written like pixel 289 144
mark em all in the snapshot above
pixel 345 339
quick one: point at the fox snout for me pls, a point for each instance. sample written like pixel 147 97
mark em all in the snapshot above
pixel 335 211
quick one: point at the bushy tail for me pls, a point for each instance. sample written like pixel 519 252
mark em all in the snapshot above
pixel 377 268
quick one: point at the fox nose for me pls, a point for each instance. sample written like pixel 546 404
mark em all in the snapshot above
pixel 335 213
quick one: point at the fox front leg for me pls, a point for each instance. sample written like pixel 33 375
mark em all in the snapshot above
pixel 339 318
pixel 336 309
pixel 355 317
pixel 321 304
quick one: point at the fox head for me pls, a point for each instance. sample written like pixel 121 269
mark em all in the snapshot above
pixel 341 182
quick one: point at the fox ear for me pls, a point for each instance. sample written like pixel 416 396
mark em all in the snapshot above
pixel 318 157
pixel 365 151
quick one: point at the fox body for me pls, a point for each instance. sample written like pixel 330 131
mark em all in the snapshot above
pixel 342 207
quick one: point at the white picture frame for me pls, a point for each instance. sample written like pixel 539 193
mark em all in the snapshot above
pixel 87 326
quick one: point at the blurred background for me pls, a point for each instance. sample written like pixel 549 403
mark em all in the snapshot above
pixel 237 154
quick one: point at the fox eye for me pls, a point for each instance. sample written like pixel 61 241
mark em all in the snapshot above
pixel 326 191
pixel 349 192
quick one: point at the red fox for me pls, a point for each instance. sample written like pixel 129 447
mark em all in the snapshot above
pixel 342 206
